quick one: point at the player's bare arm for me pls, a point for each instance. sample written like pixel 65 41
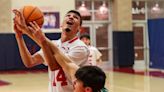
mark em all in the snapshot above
pixel 19 21
pixel 27 58
pixel 21 24
pixel 64 61
pixel 43 41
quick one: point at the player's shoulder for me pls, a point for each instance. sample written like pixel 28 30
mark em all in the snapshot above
pixel 78 42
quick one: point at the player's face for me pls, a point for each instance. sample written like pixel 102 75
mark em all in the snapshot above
pixel 79 87
pixel 71 21
pixel 86 40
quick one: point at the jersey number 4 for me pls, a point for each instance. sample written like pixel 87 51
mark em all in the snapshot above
pixel 60 78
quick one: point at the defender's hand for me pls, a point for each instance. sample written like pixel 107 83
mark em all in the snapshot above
pixel 37 32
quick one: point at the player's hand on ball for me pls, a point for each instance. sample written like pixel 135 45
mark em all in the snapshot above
pixel 36 32
pixel 20 21
pixel 17 31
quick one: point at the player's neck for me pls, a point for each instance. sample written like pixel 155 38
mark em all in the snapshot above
pixel 65 38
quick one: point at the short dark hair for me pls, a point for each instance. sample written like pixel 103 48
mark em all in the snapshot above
pixel 85 35
pixel 91 76
pixel 76 12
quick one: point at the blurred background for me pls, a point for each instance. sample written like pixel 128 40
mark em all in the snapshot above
pixel 128 33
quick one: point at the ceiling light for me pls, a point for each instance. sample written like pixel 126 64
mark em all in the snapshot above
pixel 102 12
pixel 103 9
pixel 156 9
pixel 83 10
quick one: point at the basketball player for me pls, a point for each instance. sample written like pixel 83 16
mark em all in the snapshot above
pixel 69 44
pixel 95 54
pixel 85 78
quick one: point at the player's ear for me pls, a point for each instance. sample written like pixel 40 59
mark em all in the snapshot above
pixel 88 89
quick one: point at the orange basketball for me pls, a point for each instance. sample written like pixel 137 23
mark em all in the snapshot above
pixel 33 13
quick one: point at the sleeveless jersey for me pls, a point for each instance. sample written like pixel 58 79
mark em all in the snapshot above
pixel 78 52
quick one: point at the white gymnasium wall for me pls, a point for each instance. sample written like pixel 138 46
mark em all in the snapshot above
pixel 61 6
pixel 5 16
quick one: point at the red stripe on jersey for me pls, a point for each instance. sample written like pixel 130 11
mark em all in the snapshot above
pixel 73 39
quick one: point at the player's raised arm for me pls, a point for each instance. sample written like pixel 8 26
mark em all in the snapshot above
pixel 43 41
pixel 21 24
pixel 63 60
pixel 28 59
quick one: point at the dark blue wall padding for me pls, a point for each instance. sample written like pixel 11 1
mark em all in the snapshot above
pixel 123 48
pixel 9 52
pixel 156 42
